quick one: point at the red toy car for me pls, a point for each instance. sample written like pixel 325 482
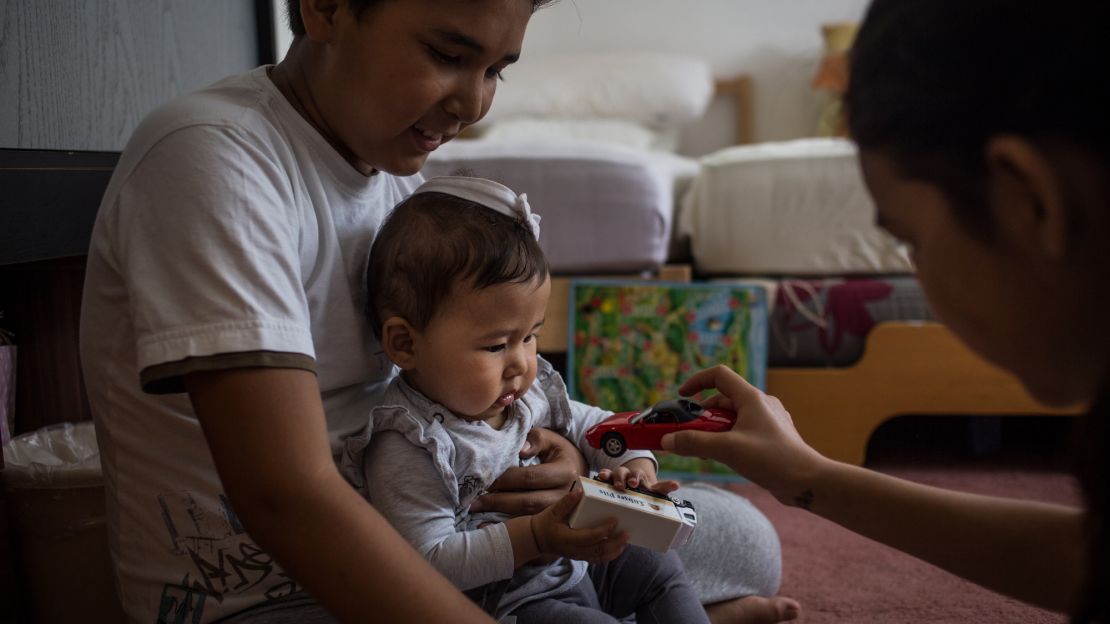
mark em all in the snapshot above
pixel 645 430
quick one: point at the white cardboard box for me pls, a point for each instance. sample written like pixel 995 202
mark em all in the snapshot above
pixel 652 521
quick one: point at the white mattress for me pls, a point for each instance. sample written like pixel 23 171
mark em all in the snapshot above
pixel 605 208
pixel 796 207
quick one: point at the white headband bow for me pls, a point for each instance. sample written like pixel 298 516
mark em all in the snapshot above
pixel 493 195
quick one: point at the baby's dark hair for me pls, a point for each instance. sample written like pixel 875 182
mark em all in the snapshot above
pixel 358 7
pixel 434 242
pixel 931 81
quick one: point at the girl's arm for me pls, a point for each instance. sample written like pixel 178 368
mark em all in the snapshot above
pixel 1029 550
pixel 268 438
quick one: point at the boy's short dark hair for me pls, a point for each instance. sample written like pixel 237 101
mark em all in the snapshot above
pixel 296 25
pixel 293 13
pixel 433 241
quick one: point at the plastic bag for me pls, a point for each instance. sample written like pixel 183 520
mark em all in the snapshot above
pixel 57 456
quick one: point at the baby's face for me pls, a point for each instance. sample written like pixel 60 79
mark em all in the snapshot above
pixel 478 355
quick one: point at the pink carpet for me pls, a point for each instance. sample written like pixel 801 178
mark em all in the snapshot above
pixel 840 577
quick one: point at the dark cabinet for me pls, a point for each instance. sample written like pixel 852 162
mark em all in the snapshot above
pixel 76 77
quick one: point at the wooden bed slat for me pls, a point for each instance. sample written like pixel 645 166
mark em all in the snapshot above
pixel 740 90
pixel 907 368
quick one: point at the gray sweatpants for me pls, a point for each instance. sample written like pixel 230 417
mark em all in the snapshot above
pixel 733 553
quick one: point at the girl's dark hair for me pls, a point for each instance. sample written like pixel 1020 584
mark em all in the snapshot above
pixel 358 7
pixel 932 81
pixel 433 242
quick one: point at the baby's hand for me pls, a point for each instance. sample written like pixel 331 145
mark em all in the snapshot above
pixel 553 536
pixel 639 472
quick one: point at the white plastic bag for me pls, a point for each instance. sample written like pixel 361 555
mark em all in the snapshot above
pixel 57 456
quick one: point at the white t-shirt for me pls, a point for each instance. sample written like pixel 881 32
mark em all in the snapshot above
pixel 230 226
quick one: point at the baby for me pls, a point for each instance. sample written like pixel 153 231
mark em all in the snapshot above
pixel 458 289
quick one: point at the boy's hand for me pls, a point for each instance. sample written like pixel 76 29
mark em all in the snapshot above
pixel 639 472
pixel 531 489
pixel 554 536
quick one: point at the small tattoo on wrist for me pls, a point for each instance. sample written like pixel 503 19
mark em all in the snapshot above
pixel 804 500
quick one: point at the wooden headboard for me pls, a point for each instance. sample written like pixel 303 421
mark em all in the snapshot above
pixel 739 90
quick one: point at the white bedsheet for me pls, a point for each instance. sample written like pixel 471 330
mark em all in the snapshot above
pixel 605 208
pixel 795 207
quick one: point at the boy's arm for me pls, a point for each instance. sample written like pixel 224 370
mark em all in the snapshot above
pixel 266 430
pixel 530 489
pixel 408 488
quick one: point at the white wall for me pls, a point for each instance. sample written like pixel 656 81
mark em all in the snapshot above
pixel 777 42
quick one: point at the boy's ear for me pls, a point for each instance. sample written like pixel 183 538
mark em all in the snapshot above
pixel 319 18
pixel 1027 196
pixel 399 342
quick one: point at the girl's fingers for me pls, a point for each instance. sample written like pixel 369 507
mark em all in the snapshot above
pixel 619 477
pixel 665 487
pixel 723 379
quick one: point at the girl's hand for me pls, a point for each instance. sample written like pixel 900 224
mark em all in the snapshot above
pixel 554 536
pixel 763 445
pixel 639 472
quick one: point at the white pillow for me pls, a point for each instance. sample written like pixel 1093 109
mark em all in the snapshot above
pixel 652 88
pixel 617 131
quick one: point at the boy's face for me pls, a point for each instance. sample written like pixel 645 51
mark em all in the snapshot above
pixel 478 354
pixel 409 75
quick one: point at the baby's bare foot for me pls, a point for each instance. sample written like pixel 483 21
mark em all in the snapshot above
pixel 754 610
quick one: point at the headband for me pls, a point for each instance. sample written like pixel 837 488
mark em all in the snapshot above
pixel 492 195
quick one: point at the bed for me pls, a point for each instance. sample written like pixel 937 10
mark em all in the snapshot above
pixel 852 342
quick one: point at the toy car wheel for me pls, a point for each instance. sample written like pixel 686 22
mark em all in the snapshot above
pixel 613 444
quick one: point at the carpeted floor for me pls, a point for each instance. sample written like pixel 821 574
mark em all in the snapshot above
pixel 840 577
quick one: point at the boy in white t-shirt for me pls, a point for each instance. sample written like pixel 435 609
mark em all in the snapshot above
pixel 227 262
pixel 222 335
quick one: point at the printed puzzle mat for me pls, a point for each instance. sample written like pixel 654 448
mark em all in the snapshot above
pixel 632 343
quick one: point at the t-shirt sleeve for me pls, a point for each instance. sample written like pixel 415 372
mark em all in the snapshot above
pixel 210 246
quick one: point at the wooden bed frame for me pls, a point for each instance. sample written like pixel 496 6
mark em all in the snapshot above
pixel 907 368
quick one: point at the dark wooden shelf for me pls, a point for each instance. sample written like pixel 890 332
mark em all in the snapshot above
pixel 49 202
